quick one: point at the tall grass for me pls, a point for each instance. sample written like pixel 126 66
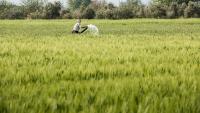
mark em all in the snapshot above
pixel 134 66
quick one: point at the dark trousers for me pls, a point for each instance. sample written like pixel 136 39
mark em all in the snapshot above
pixel 77 32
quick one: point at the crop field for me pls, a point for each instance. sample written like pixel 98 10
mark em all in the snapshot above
pixel 132 66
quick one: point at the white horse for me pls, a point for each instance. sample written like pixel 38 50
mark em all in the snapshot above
pixel 93 29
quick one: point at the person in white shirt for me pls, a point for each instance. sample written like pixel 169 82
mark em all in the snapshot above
pixel 77 28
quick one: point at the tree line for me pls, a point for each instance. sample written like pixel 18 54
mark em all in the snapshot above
pixel 90 9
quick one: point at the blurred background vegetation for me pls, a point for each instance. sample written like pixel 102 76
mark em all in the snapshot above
pixel 99 9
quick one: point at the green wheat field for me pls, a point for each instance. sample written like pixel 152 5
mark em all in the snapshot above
pixel 132 66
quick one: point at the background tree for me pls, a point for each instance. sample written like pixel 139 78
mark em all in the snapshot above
pixel 75 4
pixel 89 9
pixel 4 7
pixel 86 3
pixel 192 10
pixel 10 11
pixel 181 9
pixel 52 10
pixel 31 6
pixel 172 10
pixel 170 1
pixel 88 13
pixel 157 11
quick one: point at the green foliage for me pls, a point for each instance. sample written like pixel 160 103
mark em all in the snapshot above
pixel 36 15
pixel 52 10
pixel 192 10
pixel 181 9
pixel 4 4
pixel 140 65
pixel 88 13
pixel 10 11
pixel 123 13
pixel 4 7
pixel 77 14
pixel 66 14
pixel 171 1
pixel 42 9
pixel 172 11
pixel 86 3
pixel 141 12
pixel 100 14
pixel 31 6
pixel 76 4
pixel 111 12
pixel 157 11
pixel 133 3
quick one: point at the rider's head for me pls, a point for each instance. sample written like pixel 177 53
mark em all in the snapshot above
pixel 78 20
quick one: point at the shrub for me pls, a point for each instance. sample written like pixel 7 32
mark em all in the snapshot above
pixel 158 11
pixel 141 12
pixel 116 13
pixel 109 14
pixel 181 9
pixel 89 13
pixel 125 13
pixel 77 14
pixel 52 10
pixel 192 10
pixel 15 13
pixel 36 15
pixel 147 12
pixel 32 6
pixel 172 11
pixel 170 14
pixel 100 14
pixel 66 14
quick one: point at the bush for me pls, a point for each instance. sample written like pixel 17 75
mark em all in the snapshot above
pixel 52 10
pixel 181 9
pixel 157 11
pixel 109 14
pixel 125 13
pixel 36 15
pixel 77 14
pixel 4 9
pixel 192 10
pixel 141 12
pixel 12 13
pixel 32 6
pixel 172 11
pixel 170 14
pixel 66 14
pixel 100 14
pixel 147 12
pixel 116 13
pixel 15 13
pixel 89 13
